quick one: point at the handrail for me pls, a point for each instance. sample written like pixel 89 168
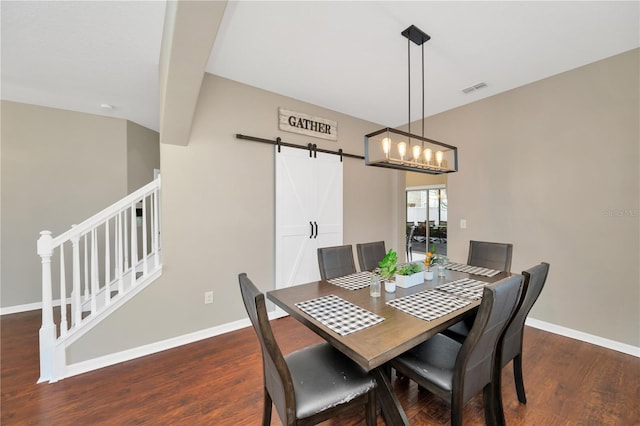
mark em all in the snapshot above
pixel 106 213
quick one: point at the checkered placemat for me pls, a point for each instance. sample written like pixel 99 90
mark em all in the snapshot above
pixel 474 270
pixel 465 287
pixel 428 304
pixel 339 315
pixel 353 281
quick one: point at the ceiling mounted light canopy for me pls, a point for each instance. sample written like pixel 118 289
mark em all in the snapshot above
pixel 397 149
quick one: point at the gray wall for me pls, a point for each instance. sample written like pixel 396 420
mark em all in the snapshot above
pixel 553 167
pixel 218 215
pixel 143 155
pixel 58 168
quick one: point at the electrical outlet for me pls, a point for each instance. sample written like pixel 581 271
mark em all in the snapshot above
pixel 463 223
pixel 208 297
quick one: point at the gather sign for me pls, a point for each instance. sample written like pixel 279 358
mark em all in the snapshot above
pixel 303 124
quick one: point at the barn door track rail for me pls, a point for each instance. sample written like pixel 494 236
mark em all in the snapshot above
pixel 312 148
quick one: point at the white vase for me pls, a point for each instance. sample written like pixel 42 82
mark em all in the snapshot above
pixel 390 286
pixel 428 275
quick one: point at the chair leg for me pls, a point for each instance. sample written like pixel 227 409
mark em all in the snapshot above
pixel 492 399
pixel 456 408
pixel 517 375
pixel 266 412
pixel 371 409
pixel 387 370
pixel 488 402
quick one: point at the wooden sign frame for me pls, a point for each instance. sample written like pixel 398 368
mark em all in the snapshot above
pixel 304 124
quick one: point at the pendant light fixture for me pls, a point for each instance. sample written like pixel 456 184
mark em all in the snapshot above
pixel 397 149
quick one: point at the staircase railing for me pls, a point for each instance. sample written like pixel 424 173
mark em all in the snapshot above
pixel 92 267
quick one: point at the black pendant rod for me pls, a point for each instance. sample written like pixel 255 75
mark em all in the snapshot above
pixel 279 142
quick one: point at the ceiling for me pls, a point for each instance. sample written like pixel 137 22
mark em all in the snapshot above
pixel 347 56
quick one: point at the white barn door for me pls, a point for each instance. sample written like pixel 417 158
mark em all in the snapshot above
pixel 308 212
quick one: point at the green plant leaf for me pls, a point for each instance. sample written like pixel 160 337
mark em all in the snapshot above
pixel 387 266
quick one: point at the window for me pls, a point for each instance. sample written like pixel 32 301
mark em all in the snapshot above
pixel 427 205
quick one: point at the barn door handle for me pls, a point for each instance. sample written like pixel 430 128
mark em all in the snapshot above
pixel 316 223
pixel 311 235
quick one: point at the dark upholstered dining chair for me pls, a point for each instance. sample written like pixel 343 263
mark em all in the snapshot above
pixel 490 255
pixel 457 371
pixel 336 261
pixel 534 280
pixel 370 254
pixel 311 385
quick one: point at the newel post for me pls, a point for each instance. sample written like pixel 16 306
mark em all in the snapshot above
pixel 48 329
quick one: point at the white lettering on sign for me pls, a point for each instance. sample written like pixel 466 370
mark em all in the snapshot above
pixel 297 122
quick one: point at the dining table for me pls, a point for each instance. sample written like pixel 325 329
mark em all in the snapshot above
pixel 373 330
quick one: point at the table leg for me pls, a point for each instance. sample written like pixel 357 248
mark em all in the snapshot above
pixel 391 409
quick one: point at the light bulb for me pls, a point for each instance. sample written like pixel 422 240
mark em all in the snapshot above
pixel 439 158
pixel 416 152
pixel 386 145
pixel 402 149
pixel 427 155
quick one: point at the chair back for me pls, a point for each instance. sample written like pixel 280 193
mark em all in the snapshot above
pixel 490 255
pixel 277 378
pixel 476 359
pixel 336 261
pixel 370 254
pixel 534 279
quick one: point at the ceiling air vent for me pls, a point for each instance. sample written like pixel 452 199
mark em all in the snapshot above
pixel 474 87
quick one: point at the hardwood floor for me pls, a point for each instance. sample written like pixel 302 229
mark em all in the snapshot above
pixel 218 381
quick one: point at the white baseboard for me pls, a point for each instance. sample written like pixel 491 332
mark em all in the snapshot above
pixel 27 307
pixel 129 354
pixel 584 337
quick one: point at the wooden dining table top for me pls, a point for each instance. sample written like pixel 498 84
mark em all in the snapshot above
pixel 373 346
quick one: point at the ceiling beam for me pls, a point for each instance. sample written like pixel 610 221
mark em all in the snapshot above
pixel 190 29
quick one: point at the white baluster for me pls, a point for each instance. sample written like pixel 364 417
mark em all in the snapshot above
pixel 94 271
pixel 156 230
pixel 144 237
pixel 63 294
pixel 119 259
pixel 126 239
pixel 86 269
pixel 107 264
pixel 48 329
pixel 76 302
pixel 134 244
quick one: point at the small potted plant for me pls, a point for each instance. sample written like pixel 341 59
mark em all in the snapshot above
pixel 409 275
pixel 387 268
pixel 428 262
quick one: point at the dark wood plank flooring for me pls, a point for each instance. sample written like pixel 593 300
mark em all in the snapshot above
pixel 218 382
